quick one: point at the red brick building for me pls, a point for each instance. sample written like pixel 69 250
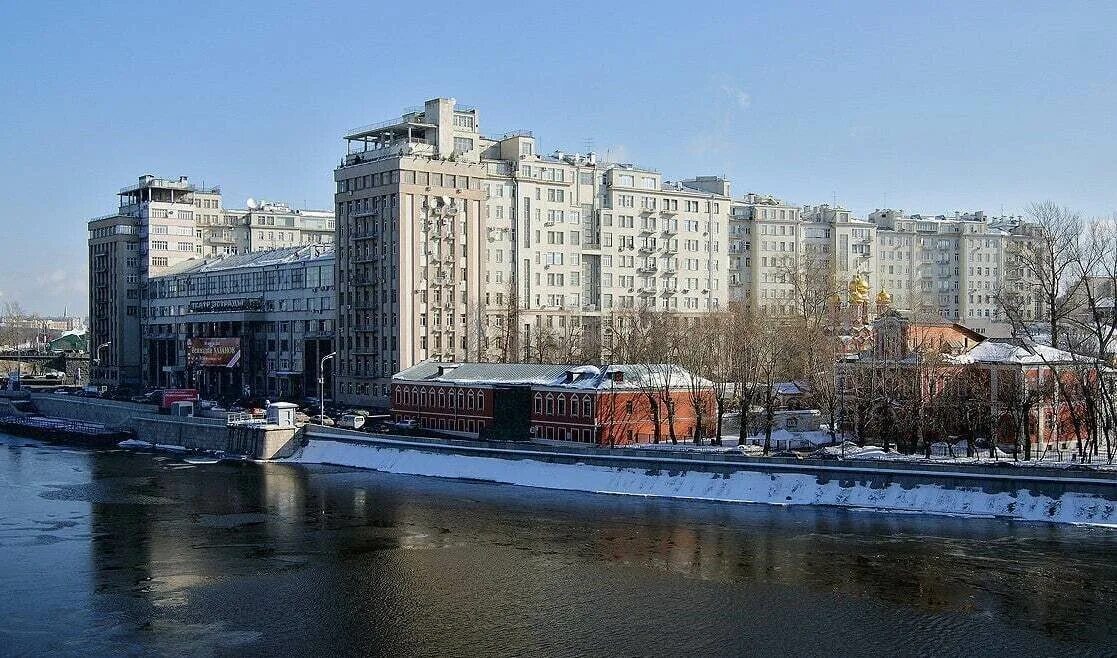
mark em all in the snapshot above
pixel 610 405
pixel 962 383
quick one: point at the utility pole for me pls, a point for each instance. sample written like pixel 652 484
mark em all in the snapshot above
pixel 321 387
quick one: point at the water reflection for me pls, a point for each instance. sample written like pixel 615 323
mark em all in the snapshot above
pixel 168 557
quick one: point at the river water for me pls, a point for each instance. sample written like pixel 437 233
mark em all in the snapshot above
pixel 109 552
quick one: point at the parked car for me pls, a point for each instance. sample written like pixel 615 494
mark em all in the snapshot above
pixel 319 419
pixel 119 393
pixel 154 396
pixel 92 391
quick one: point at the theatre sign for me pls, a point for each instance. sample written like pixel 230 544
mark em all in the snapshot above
pixel 226 305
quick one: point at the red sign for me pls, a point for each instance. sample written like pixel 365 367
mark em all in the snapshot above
pixel 172 395
pixel 214 352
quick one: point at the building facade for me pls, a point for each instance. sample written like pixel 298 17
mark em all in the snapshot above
pixel 941 380
pixel 954 267
pixel 777 248
pixel 454 245
pixel 252 325
pixel 159 225
pixel 611 405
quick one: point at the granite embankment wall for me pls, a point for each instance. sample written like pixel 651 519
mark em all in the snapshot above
pixel 1026 493
pixel 193 433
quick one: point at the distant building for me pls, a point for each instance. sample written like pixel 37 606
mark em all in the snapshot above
pixel 772 241
pixel 954 267
pixel 71 341
pixel 255 324
pixel 611 405
pixel 160 224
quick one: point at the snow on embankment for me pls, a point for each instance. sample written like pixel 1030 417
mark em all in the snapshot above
pixel 778 488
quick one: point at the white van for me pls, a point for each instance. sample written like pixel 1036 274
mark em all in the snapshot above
pixel 351 421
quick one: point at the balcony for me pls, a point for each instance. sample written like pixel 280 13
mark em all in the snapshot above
pixel 668 271
pixel 646 270
pixel 646 250
pixel 647 211
pixel 669 231
pixel 647 292
pixel 394 150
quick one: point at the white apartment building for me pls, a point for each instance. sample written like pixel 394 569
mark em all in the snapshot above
pixel 953 266
pixel 159 224
pixel 457 246
pixel 772 244
pixel 275 225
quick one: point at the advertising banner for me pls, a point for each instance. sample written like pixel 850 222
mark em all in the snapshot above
pixel 214 352
pixel 172 395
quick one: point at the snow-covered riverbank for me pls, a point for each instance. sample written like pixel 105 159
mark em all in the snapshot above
pixel 738 485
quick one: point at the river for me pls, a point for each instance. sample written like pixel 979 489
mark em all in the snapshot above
pixel 110 552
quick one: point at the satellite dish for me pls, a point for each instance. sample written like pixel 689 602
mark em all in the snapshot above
pixel 251 203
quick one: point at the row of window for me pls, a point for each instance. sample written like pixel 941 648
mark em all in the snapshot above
pixel 439 397
pixel 551 404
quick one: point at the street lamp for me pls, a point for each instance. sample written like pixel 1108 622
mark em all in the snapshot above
pixel 93 358
pixel 321 385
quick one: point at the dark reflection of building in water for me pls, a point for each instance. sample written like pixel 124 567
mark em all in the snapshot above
pixel 874 556
pixel 331 553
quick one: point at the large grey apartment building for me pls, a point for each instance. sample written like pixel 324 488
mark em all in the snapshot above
pixel 252 324
pixel 454 245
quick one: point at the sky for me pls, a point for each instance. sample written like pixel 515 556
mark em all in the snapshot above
pixel 927 107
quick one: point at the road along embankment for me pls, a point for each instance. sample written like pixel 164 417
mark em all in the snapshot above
pixel 190 433
pixel 1026 494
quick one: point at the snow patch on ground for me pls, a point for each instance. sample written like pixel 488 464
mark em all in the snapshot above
pixel 740 486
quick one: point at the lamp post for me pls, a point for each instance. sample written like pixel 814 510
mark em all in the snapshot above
pixel 94 358
pixel 321 386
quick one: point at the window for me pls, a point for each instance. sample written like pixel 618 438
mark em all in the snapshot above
pixel 463 144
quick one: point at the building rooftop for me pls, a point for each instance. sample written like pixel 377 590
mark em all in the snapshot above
pixel 266 258
pixel 181 183
pixel 1017 351
pixel 620 376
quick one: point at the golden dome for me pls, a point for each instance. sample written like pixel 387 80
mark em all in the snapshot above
pixel 883 298
pixel 858 289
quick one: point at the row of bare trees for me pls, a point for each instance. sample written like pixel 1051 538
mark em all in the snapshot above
pixel 1059 285
pixel 1067 275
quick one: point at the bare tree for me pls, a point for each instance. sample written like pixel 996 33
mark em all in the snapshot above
pixel 1046 263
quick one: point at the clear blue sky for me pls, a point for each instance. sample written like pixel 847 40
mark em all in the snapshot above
pixel 955 106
